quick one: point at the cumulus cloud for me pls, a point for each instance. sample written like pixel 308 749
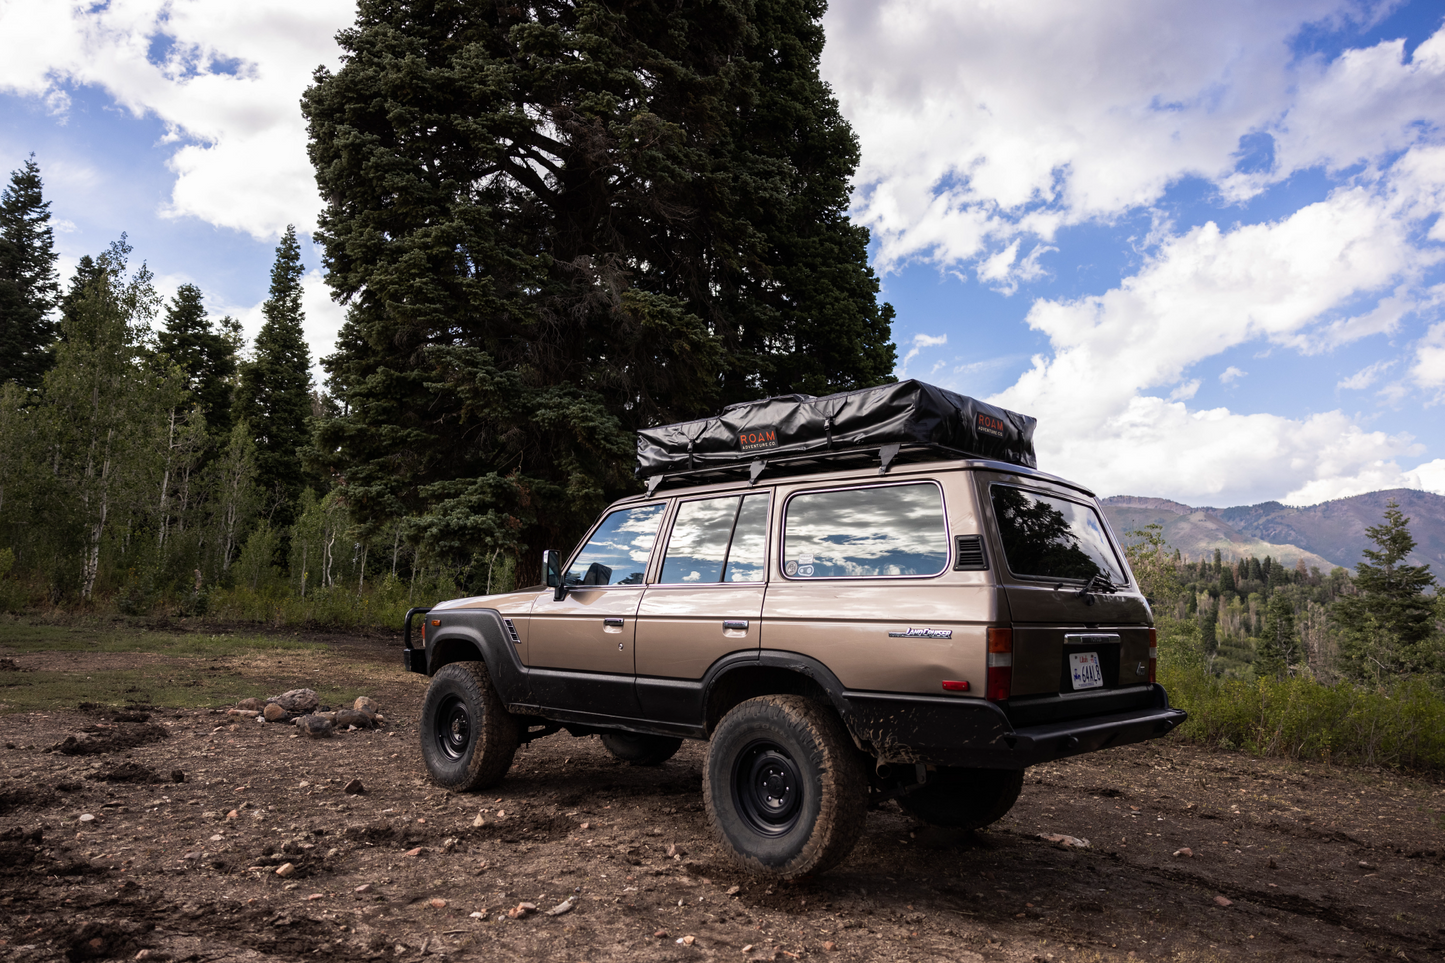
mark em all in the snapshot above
pixel 225 77
pixel 1206 291
pixel 983 122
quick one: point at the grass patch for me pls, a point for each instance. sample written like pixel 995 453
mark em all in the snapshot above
pixel 16 636
pixel 168 685
pixel 114 664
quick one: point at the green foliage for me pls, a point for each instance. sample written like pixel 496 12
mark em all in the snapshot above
pixel 274 394
pixel 206 356
pixel 559 222
pixel 1279 646
pixel 1388 622
pixel 29 285
pixel 1302 718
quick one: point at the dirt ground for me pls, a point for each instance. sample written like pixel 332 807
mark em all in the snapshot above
pixel 1289 861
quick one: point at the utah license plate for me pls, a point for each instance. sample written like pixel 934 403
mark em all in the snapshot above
pixel 1086 671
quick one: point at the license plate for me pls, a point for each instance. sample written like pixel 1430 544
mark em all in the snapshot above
pixel 1085 668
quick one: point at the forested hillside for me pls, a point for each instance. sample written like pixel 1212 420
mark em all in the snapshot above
pixel 1333 533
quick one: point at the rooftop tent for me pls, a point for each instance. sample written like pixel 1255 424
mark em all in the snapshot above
pixel 921 419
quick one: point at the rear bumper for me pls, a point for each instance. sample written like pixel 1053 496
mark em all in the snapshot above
pixel 975 733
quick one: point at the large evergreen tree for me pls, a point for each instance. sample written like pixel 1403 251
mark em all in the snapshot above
pixel 274 394
pixel 558 222
pixel 205 355
pixel 1388 622
pixel 29 285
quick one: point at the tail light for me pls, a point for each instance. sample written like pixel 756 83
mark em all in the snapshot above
pixel 1153 654
pixel 1000 664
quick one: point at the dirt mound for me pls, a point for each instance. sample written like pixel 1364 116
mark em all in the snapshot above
pixel 98 739
pixel 128 772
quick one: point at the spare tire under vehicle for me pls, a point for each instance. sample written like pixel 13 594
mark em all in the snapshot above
pixel 964 798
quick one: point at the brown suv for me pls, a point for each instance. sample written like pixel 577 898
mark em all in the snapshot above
pixel 837 595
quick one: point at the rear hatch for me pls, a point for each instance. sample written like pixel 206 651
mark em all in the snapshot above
pixel 1081 628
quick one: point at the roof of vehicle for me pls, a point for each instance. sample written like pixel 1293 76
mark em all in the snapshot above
pixel 708 480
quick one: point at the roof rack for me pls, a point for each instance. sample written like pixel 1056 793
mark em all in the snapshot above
pixel 808 463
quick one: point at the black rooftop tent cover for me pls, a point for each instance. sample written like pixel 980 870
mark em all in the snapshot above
pixel 910 414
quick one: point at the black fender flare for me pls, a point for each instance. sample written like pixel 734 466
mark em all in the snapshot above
pixel 717 681
pixel 470 635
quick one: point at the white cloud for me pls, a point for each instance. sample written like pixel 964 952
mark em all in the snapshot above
pixel 981 122
pixel 228 86
pixel 1429 477
pixel 1206 291
pixel 1366 376
pixel 1428 371
pixel 920 341
pixel 1230 375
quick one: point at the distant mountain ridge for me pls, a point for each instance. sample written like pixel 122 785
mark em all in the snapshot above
pixel 1325 535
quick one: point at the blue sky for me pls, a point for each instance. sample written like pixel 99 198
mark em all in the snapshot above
pixel 1200 242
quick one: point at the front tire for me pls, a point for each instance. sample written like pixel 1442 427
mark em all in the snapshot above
pixel 468 737
pixel 785 789
pixel 965 798
pixel 637 749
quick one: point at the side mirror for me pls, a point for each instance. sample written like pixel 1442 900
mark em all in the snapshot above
pixel 552 571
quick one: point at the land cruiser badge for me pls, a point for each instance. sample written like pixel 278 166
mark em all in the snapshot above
pixel 922 634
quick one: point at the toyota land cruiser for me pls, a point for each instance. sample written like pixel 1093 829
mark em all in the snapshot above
pixel 854 598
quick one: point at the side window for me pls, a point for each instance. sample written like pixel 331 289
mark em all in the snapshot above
pixel 748 559
pixel 1047 537
pixel 618 551
pixel 717 540
pixel 893 530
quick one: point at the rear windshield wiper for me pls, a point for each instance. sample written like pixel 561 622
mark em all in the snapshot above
pixel 1098 582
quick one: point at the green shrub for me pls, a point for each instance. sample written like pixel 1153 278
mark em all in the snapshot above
pixel 1301 718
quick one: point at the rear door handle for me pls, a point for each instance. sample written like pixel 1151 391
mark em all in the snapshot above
pixel 739 625
pixel 612 623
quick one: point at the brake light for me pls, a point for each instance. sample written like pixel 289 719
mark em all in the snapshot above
pixel 1153 654
pixel 1000 664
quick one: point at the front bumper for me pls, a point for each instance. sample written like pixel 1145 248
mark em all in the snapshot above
pixel 977 734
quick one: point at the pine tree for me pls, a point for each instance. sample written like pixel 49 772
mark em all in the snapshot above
pixel 1279 644
pixel 559 222
pixel 29 285
pixel 1388 622
pixel 274 394
pixel 205 355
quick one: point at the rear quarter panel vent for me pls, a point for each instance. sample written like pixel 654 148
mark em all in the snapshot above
pixel 969 554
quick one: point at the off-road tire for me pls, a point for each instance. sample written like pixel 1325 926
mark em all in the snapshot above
pixel 784 787
pixel 964 798
pixel 468 737
pixel 638 749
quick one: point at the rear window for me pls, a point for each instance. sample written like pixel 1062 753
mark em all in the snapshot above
pixel 894 530
pixel 1048 537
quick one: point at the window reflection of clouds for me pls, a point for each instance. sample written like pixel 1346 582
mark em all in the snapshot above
pixel 699 541
pixel 622 544
pixel 747 560
pixel 869 532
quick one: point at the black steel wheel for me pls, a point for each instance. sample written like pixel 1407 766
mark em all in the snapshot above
pixel 767 788
pixel 784 786
pixel 468 737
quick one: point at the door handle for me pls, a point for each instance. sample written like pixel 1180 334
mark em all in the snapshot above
pixel 739 625
pixel 612 623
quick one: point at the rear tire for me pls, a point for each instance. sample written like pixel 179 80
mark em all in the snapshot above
pixel 638 749
pixel 965 798
pixel 785 788
pixel 468 737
